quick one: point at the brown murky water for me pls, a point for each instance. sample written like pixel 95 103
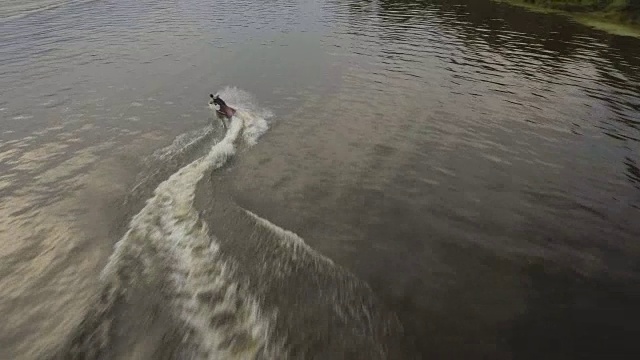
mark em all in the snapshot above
pixel 457 179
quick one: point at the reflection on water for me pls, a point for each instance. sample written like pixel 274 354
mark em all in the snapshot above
pixel 506 135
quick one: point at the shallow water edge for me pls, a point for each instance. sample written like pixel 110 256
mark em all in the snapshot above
pixel 600 20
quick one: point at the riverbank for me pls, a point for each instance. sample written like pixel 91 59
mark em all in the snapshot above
pixel 620 17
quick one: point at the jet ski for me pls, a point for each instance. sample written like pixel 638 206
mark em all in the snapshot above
pixel 222 109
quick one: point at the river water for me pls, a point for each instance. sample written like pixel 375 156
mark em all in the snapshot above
pixel 404 180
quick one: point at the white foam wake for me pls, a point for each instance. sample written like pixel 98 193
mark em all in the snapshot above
pixel 241 100
pixel 182 143
pixel 168 240
pixel 290 239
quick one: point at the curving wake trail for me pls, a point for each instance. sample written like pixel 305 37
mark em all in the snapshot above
pixel 167 245
pixel 234 285
pixel 169 229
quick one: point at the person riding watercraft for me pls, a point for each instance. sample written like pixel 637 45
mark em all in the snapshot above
pixel 222 108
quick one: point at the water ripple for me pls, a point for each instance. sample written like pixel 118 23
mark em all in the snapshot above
pixel 474 100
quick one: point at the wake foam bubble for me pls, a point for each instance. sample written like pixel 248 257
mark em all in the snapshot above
pixel 182 143
pixel 289 238
pixel 258 124
pixel 167 241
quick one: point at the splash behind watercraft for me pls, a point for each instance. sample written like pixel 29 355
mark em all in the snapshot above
pixel 222 109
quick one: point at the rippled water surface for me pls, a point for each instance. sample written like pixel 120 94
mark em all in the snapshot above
pixel 404 179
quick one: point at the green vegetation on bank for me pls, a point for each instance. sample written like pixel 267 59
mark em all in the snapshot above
pixel 616 16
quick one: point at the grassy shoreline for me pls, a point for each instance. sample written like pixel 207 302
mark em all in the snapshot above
pixel 619 17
